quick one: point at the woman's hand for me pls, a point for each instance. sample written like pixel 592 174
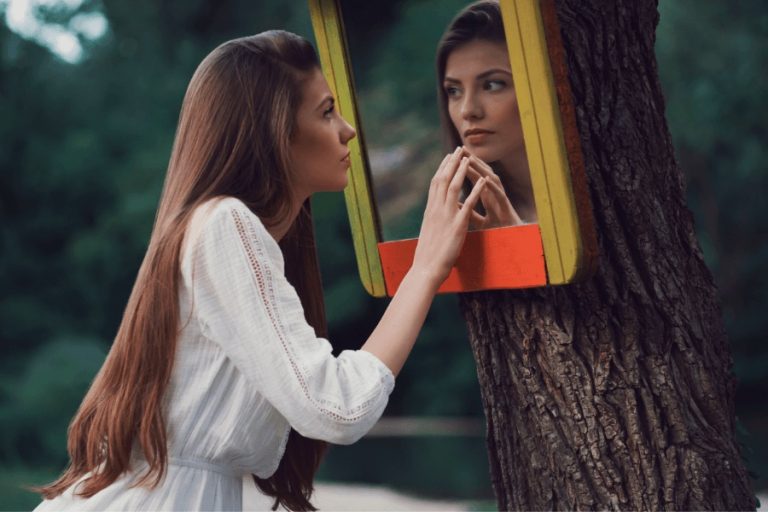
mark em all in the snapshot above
pixel 498 209
pixel 442 234
pixel 446 221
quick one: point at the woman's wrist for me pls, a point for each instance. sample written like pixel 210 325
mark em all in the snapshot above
pixel 425 277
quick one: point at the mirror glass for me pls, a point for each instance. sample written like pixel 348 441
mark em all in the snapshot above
pixel 430 75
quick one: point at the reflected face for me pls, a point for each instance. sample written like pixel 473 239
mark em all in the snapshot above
pixel 319 152
pixel 482 103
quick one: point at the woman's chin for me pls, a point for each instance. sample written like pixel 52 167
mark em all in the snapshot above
pixel 482 153
pixel 342 184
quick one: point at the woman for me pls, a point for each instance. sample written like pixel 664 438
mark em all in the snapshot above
pixel 478 108
pixel 219 367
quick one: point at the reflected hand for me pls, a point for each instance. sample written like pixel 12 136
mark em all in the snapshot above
pixel 498 209
pixel 445 226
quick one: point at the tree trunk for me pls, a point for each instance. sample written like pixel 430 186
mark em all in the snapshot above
pixel 616 393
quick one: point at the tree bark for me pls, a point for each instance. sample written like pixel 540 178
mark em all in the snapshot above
pixel 615 393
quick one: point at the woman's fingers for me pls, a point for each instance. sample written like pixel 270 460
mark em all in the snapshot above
pixel 445 173
pixel 503 213
pixel 471 200
pixel 481 165
pixel 448 180
pixel 496 192
pixel 476 220
pixel 448 171
pixel 484 169
pixel 472 174
pixel 493 195
pixel 454 188
pixel 433 184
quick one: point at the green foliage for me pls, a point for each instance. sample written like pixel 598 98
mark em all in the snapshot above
pixel 14 481
pixel 37 405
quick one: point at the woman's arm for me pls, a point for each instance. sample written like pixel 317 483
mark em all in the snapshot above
pixel 442 235
pixel 247 307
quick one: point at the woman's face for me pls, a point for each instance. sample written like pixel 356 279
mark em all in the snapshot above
pixel 319 152
pixel 481 100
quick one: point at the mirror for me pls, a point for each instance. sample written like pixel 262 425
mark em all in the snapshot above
pixel 417 78
pixel 414 110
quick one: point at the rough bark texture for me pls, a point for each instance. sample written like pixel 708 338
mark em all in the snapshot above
pixel 616 393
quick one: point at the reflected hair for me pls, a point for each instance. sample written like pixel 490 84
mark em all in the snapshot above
pixel 478 21
pixel 237 121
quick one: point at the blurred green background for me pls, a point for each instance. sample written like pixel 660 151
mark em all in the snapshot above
pixel 90 93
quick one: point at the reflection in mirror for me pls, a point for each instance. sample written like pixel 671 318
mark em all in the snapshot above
pixel 431 75
pixel 478 108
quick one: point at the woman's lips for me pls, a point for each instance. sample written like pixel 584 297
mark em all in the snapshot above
pixel 476 136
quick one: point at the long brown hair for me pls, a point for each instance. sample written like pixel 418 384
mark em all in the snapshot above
pixel 479 20
pixel 236 124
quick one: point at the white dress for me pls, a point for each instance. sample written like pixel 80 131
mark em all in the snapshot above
pixel 247 368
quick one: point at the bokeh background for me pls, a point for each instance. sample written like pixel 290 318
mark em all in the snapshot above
pixel 90 92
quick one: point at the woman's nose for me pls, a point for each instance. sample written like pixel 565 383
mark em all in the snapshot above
pixel 471 107
pixel 347 132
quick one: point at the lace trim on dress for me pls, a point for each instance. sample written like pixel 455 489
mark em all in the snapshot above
pixel 264 281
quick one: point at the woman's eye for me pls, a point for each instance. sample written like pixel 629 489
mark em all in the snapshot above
pixel 329 111
pixel 495 85
pixel 452 92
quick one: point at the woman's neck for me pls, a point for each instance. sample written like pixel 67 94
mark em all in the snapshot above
pixel 516 177
pixel 279 230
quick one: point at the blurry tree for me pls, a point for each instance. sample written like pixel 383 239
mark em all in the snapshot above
pixel 615 393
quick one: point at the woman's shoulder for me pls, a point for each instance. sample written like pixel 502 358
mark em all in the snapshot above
pixel 223 212
pixel 222 218
pixel 221 206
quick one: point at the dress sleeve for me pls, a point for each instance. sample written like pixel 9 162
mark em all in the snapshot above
pixel 247 306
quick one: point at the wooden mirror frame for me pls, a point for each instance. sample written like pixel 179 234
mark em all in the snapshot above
pixel 562 247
